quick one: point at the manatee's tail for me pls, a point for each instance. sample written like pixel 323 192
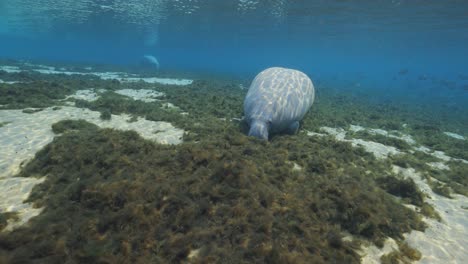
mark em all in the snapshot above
pixel 258 129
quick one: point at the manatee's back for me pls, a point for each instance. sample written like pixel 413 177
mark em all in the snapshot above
pixel 279 95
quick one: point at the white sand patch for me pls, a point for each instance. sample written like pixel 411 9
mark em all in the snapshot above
pixel 442 242
pixel 356 128
pixel 87 95
pixel 438 165
pixel 13 192
pixel 315 134
pixel 40 66
pixel 376 131
pixel 169 81
pixel 193 253
pixel 379 150
pixel 105 75
pixel 296 167
pixel 144 95
pixel 23 135
pixel 8 82
pixel 423 149
pixel 170 105
pixel 438 154
pixel 338 133
pixel 453 135
pixel 10 69
pixel 120 76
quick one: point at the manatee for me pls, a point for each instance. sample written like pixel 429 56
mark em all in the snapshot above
pixel 150 61
pixel 276 101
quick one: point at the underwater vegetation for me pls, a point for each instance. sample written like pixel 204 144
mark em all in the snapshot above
pixel 446 181
pixel 73 125
pixel 405 255
pixel 3 123
pixel 113 197
pixel 433 137
pixel 31 111
pixel 210 106
pixel 110 102
pixel 404 188
pixel 5 217
pixel 17 77
pixel 35 94
pixel 334 107
pixel 426 127
pixel 35 90
pixel 455 178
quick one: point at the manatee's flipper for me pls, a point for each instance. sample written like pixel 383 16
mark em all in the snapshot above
pixel 293 128
pixel 259 129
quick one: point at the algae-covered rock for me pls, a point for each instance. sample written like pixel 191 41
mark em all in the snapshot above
pixel 72 125
pixel 404 188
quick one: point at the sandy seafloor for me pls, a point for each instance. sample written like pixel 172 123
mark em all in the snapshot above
pixel 23 134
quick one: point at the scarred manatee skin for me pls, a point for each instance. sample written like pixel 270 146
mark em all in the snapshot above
pixel 277 98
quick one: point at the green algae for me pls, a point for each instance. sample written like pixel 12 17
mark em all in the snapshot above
pixel 446 181
pixel 417 160
pixel 4 123
pixel 5 217
pixel 433 137
pixel 105 114
pixel 110 102
pixel 441 189
pixel 112 197
pixel 210 106
pixel 428 210
pixel 31 111
pixel 336 107
pixel 452 180
pixel 38 94
pixel 458 180
pixel 405 255
pixel 73 125
pixel 404 188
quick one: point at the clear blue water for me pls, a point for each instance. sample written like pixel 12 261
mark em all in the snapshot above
pixel 351 43
pixel 312 35
pixel 407 57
